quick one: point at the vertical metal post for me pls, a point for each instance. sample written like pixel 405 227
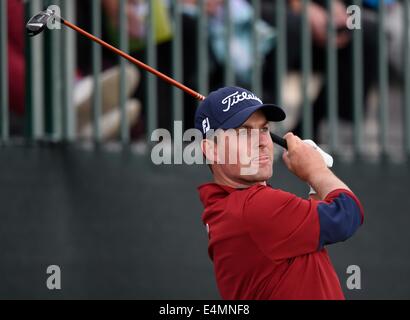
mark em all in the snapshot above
pixel 202 45
pixel 332 80
pixel 68 69
pixel 152 61
pixel 57 79
pixel 306 71
pixel 406 57
pixel 4 88
pixel 257 66
pixel 357 82
pixel 177 57
pixel 53 84
pixel 124 46
pixel 37 82
pixel 97 66
pixel 383 81
pixel 229 73
pixel 29 81
pixel 281 49
pixel 280 58
pixel 28 107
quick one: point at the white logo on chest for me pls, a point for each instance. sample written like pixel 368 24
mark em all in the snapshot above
pixel 237 97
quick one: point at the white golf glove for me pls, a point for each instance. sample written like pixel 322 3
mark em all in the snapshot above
pixel 327 157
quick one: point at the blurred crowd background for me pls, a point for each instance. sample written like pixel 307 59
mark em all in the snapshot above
pixel 241 58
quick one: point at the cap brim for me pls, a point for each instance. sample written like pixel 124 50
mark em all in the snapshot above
pixel 271 111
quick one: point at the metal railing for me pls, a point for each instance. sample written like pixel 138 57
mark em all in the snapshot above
pixel 51 63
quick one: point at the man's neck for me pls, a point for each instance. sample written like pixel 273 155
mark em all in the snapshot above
pixel 235 184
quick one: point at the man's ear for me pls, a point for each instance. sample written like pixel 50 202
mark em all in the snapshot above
pixel 209 150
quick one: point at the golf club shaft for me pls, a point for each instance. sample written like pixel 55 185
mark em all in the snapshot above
pixel 278 140
pixel 142 65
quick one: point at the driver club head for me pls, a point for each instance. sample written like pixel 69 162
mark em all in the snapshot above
pixel 39 22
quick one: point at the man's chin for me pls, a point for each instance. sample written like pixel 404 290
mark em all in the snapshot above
pixel 258 176
pixel 259 169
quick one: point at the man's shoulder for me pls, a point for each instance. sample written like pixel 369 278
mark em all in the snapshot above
pixel 265 199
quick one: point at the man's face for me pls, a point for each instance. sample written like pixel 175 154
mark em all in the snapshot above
pixel 253 151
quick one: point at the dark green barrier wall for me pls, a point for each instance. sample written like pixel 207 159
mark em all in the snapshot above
pixel 121 228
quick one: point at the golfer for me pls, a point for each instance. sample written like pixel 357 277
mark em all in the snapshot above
pixel 267 243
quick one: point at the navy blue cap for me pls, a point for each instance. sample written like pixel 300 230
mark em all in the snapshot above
pixel 230 108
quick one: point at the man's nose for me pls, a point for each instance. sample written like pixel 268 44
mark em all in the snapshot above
pixel 264 138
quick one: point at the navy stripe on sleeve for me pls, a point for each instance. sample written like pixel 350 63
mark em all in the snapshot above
pixel 339 220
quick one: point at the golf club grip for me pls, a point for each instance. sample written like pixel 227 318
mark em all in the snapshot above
pixel 279 141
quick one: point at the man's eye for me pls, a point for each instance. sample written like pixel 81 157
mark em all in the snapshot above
pixel 265 130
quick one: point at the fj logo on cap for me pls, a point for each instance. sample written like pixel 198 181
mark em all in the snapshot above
pixel 237 97
pixel 206 125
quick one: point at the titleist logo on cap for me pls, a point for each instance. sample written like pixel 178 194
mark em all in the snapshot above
pixel 237 97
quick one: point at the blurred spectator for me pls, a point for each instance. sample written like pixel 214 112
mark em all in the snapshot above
pixel 15 9
pixel 394 27
pixel 242 60
pixel 191 11
pixel 110 121
pixel 82 92
pixel 318 18
pixel 242 53
pixel 137 14
pixel 137 11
